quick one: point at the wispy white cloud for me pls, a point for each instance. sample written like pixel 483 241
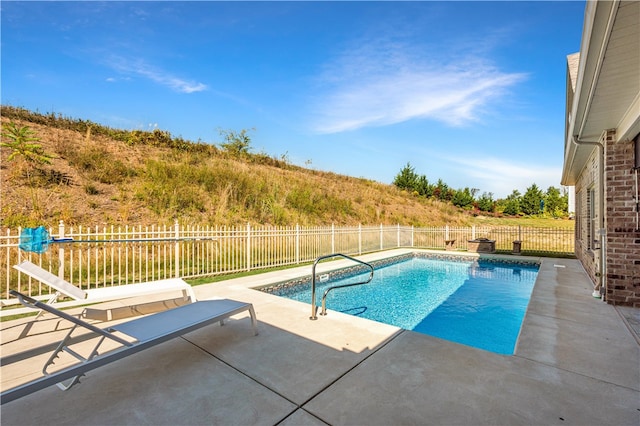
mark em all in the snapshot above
pixel 385 82
pixel 117 79
pixel 164 78
pixel 501 177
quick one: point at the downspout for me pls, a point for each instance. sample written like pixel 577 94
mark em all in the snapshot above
pixel 600 288
pixel 636 166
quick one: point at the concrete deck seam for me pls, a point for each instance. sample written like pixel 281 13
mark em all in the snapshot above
pixel 247 376
pixel 309 413
pixel 577 373
pixel 625 321
pixel 298 406
pixel 353 368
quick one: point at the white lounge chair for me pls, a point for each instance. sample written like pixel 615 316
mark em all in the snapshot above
pixel 146 331
pixel 102 294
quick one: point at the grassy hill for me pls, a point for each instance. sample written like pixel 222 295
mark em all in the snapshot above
pixel 102 176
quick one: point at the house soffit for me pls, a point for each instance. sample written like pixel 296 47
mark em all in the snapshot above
pixel 617 88
pixel 614 88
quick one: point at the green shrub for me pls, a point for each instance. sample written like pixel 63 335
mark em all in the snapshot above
pixel 91 189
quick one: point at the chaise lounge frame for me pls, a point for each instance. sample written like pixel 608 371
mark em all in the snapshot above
pixel 143 333
pixel 103 294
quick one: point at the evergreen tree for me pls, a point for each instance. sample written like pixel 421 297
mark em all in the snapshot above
pixel 442 191
pixel 407 178
pixel 486 203
pixel 463 198
pixel 423 187
pixel 564 202
pixel 553 202
pixel 556 203
pixel 512 205
pixel 532 201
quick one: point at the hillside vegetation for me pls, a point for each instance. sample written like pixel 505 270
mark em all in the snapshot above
pixel 89 174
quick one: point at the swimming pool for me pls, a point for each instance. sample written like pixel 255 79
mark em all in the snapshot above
pixel 479 303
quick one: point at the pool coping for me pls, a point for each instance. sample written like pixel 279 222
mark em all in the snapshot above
pixel 344 271
pixel 298 272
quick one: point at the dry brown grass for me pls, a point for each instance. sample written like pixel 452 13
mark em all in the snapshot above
pixel 111 182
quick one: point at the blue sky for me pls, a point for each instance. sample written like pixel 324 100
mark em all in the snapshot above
pixel 472 93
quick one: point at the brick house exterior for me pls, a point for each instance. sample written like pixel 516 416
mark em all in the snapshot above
pixel 602 148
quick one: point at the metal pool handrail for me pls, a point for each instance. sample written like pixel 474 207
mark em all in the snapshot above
pixel 314 308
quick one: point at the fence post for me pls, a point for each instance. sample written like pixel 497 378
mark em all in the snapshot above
pixel 446 232
pixel 398 235
pixel 359 238
pixel 473 232
pixel 5 290
pixel 248 246
pixel 412 236
pixel 381 238
pixel 297 243
pixel 61 250
pixel 176 249
pixel 333 238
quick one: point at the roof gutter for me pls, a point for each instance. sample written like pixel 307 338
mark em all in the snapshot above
pixel 584 56
pixel 601 53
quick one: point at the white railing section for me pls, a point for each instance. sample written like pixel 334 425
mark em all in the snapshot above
pixel 111 256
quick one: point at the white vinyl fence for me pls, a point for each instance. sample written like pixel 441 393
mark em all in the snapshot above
pixel 97 257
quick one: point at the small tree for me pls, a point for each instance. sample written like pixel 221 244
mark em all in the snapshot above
pixel 407 179
pixel 532 200
pixel 423 187
pixel 486 203
pixel 442 191
pixel 21 142
pixel 236 143
pixel 512 204
pixel 554 202
pixel 463 198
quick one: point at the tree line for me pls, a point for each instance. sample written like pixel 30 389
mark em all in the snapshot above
pixel 533 202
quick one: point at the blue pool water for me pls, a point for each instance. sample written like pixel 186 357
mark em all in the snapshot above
pixel 476 303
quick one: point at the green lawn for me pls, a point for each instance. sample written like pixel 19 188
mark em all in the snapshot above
pixel 532 222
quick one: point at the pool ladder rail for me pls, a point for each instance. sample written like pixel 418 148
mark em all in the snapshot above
pixel 314 308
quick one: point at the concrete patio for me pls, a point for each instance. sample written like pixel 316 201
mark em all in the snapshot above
pixel 577 362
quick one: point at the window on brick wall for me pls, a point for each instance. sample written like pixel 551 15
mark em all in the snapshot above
pixel 591 224
pixel 579 216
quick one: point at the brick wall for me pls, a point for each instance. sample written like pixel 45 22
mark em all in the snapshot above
pixel 623 236
pixel 588 179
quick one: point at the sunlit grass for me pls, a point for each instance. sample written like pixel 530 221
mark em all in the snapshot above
pixel 533 222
